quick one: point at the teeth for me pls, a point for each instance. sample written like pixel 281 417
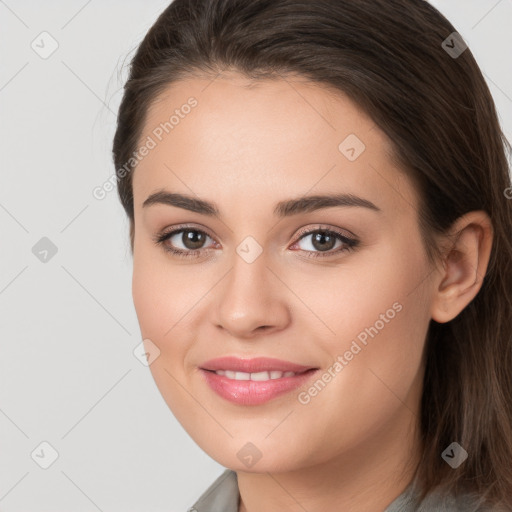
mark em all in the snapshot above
pixel 259 376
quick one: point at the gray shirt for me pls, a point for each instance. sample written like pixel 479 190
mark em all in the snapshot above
pixel 223 496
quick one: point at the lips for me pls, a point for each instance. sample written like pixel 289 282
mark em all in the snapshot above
pixel 254 381
pixel 255 365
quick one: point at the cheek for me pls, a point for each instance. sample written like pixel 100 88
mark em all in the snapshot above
pixel 147 299
pixel 380 380
pixel 162 293
pixel 351 298
pixel 378 316
pixel 160 310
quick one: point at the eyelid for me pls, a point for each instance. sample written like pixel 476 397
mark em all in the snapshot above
pixel 182 227
pixel 307 230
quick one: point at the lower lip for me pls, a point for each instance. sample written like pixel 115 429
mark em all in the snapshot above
pixel 252 392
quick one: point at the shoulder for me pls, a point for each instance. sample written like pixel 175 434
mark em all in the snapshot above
pixel 222 494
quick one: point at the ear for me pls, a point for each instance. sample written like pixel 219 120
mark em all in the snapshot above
pixel 464 265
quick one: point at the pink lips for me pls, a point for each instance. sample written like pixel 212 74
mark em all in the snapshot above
pixel 251 392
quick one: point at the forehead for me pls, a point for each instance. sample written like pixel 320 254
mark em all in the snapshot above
pixel 267 139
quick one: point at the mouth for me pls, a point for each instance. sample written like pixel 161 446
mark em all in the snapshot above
pixel 257 365
pixel 255 388
pixel 257 376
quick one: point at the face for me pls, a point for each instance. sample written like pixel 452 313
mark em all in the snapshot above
pixel 297 240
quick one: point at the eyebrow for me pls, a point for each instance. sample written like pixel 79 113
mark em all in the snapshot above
pixel 286 208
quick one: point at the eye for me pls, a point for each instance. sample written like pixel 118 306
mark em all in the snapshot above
pixel 326 241
pixel 183 242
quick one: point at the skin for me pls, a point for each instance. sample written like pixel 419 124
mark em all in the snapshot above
pixel 246 146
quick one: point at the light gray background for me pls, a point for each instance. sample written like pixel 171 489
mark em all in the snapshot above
pixel 68 375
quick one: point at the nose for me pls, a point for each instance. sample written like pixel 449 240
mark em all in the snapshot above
pixel 251 300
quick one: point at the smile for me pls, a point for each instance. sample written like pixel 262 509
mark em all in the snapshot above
pixel 244 388
pixel 259 376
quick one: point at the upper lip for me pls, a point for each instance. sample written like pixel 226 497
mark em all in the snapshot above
pixel 257 364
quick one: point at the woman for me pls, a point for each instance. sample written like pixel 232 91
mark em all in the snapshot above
pixel 320 225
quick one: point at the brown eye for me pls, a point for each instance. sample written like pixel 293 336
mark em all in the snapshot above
pixel 323 243
pixel 193 239
pixel 183 242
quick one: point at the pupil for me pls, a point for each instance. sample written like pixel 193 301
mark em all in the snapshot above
pixel 320 239
pixel 192 239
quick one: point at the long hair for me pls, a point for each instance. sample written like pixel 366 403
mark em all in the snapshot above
pixel 404 65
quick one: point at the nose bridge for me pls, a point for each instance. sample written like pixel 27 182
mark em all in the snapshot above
pixel 250 299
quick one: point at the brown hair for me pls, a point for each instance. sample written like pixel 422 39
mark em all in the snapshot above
pixel 388 57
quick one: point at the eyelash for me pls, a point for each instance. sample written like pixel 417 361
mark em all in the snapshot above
pixel 350 243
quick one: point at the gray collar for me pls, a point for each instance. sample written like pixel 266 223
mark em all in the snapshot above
pixel 223 496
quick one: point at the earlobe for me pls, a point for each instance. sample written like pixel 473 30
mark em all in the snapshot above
pixel 464 265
